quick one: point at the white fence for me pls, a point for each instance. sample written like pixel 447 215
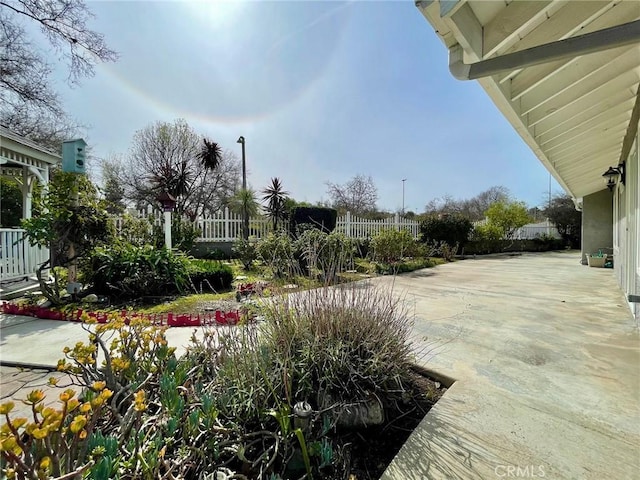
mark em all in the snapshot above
pixel 361 228
pixel 226 226
pixel 18 259
pixel 530 231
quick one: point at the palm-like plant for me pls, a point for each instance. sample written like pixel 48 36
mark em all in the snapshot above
pixel 210 154
pixel 275 197
pixel 244 201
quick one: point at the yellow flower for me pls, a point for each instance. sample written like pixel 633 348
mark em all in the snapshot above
pixel 83 434
pixel 47 412
pixel 106 394
pixel 98 385
pixel 67 395
pixel 35 396
pixel 6 407
pixel 45 463
pixel 40 433
pixel 72 404
pixel 10 473
pixel 53 381
pixel 86 407
pixel 78 423
pixel 138 399
pixel 8 444
pixel 19 422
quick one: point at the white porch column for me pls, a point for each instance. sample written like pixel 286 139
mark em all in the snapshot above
pixel 27 193
pixel 167 229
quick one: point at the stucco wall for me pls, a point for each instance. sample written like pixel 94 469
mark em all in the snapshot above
pixel 597 223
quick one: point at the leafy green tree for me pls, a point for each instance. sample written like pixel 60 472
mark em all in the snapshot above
pixel 508 216
pixel 563 214
pixel 59 224
pixel 275 197
pixel 11 204
pixel 113 189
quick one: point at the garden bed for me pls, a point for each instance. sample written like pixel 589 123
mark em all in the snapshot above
pixel 374 449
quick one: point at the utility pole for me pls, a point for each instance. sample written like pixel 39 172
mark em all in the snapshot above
pixel 403 180
pixel 245 214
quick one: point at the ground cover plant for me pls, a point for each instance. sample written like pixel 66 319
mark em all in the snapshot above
pixel 289 398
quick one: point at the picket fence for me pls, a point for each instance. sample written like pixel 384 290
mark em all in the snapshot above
pixel 226 226
pixel 531 230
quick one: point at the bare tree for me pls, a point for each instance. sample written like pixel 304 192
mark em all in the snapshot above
pixel 168 157
pixel 473 208
pixel 359 195
pixel 26 96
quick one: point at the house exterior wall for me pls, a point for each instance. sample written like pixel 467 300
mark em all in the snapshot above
pixel 597 220
pixel 626 229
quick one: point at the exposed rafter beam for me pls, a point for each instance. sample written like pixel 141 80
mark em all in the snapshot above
pixel 468 30
pixel 510 22
pixel 583 122
pixel 626 34
pixel 578 79
pixel 578 113
pixel 596 95
pixel 569 20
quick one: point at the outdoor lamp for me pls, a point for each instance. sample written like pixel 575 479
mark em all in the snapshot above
pixel 167 200
pixel 612 173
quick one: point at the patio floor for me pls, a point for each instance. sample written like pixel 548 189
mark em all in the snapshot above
pixel 546 355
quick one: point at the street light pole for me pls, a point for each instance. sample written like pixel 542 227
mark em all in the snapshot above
pixel 403 180
pixel 245 215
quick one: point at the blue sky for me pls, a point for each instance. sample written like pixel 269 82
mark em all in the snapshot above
pixel 321 91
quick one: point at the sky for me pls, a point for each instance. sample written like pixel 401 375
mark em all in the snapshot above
pixel 321 91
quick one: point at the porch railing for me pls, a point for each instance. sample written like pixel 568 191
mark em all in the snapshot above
pixel 18 259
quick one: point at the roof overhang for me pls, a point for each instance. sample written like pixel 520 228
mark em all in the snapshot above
pixel 17 152
pixel 565 73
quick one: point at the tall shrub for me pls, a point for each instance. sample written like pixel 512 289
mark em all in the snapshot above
pixel 321 218
pixel 391 246
pixel 276 251
pixel 451 229
pixel 324 253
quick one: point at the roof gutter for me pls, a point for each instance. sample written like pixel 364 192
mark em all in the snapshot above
pixel 620 35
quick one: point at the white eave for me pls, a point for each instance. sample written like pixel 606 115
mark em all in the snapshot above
pixel 573 112
pixel 17 151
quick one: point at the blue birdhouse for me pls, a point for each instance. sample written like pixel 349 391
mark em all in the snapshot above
pixel 74 156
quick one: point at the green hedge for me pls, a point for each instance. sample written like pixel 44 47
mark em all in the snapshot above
pixel 320 217
pixel 544 244
pixel 452 229
pixel 219 275
pixel 130 271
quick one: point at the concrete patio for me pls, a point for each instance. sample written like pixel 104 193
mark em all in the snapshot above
pixel 545 353
pixel 547 360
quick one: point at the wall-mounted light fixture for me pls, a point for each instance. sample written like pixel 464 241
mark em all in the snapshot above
pixel 612 175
